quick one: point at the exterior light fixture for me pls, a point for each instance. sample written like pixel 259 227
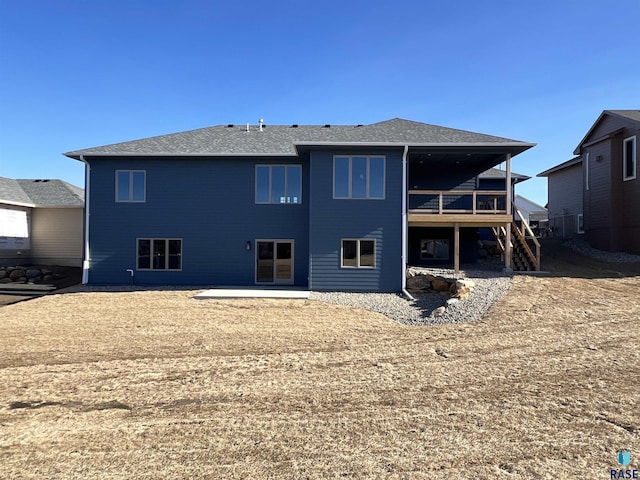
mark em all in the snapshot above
pixel 247 246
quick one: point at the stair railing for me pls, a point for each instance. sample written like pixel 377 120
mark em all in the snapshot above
pixel 521 233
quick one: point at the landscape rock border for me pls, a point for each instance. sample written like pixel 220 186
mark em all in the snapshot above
pixel 27 274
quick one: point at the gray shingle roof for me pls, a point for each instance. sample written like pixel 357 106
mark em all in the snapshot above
pixel 12 193
pixel 40 193
pixel 52 193
pixel 497 173
pixel 561 166
pixel 630 114
pixel 284 139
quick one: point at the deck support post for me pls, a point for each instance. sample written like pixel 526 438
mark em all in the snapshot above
pixel 456 247
pixel 509 208
pixel 508 185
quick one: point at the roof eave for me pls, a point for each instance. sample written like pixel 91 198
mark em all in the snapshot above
pixel 77 155
pixel 18 204
pixel 562 166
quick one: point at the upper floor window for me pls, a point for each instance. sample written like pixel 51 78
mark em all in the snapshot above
pixel 629 158
pixel 358 177
pixel 278 184
pixel 130 186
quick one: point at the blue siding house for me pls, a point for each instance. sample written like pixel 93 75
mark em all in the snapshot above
pixel 322 207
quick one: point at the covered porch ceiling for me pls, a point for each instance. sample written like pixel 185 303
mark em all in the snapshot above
pixel 474 159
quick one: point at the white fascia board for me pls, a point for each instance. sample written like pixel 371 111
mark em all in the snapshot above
pixel 76 156
pixel 16 204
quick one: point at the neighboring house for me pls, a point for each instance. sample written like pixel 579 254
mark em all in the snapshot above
pixel 609 183
pixel 565 198
pixel 321 207
pixel 536 216
pixel 40 222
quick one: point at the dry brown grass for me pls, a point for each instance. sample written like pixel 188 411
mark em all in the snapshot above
pixel 159 385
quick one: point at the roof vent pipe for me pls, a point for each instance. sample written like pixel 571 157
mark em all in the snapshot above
pixel 260 123
pixel 247 128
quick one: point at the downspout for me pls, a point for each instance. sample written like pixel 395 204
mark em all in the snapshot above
pixel 405 224
pixel 87 256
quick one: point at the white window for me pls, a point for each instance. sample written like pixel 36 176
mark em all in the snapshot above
pixel 358 177
pixel 434 249
pixel 279 184
pixel 580 223
pixel 358 253
pixel 629 158
pixel 159 254
pixel 131 185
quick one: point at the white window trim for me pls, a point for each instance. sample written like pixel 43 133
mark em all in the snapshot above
pixel 358 266
pixel 634 159
pixel 130 200
pixel 286 178
pixel 166 269
pixel 366 197
pixel 578 229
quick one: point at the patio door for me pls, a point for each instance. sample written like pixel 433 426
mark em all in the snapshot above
pixel 274 262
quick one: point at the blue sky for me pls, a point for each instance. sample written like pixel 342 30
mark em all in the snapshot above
pixel 76 74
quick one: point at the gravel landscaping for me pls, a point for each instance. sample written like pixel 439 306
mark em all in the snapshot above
pixel 581 246
pixel 490 285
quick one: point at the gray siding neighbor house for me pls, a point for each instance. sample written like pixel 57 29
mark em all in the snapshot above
pixel 323 207
pixel 41 222
pixel 609 182
pixel 565 197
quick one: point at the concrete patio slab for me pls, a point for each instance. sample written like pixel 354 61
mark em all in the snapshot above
pixel 252 293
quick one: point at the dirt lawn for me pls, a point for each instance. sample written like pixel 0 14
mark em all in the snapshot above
pixel 142 385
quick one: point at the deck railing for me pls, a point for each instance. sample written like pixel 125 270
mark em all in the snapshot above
pixel 458 201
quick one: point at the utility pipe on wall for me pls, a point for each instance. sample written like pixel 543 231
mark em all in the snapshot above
pixel 405 223
pixel 87 256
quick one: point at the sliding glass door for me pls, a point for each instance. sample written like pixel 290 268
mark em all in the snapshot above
pixel 274 262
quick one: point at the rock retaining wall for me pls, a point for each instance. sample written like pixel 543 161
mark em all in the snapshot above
pixel 27 274
pixel 455 289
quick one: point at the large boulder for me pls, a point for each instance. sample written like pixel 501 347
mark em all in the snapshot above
pixel 419 282
pixel 17 274
pixel 33 273
pixel 439 284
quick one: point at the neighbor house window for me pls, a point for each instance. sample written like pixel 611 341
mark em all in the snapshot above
pixel 130 185
pixel 278 184
pixel 580 223
pixel 629 158
pixel 358 177
pixel 159 254
pixel 434 249
pixel 358 253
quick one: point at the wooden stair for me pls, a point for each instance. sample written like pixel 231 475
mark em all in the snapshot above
pixel 525 248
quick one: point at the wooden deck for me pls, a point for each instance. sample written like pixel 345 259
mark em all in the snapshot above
pixel 418 218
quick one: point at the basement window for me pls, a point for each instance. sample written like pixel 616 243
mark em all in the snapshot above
pixel 358 253
pixel 159 254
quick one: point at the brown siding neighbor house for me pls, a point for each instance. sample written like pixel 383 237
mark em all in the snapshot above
pixel 611 181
